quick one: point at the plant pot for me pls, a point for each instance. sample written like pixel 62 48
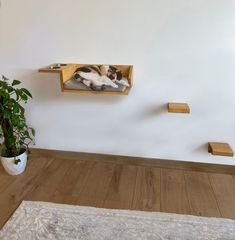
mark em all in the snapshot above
pixel 12 168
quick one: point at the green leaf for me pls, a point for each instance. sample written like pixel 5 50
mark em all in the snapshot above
pixel 6 114
pixel 6 98
pixel 4 78
pixel 33 131
pixel 21 123
pixel 10 89
pixel 22 110
pixel 16 82
pixel 17 94
pixel 16 108
pixel 26 92
pixel 24 97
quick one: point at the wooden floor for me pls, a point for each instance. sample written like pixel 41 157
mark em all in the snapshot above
pixel 122 186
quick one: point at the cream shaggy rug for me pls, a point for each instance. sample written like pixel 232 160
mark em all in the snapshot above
pixel 40 220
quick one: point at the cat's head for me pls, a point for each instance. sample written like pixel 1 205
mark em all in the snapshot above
pixel 111 72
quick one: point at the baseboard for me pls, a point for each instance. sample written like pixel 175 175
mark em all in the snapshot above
pixel 138 161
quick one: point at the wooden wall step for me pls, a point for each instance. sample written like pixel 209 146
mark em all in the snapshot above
pixel 222 149
pixel 178 108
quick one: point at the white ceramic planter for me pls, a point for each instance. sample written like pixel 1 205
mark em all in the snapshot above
pixel 12 168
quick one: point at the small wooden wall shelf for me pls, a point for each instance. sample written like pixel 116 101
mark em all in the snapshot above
pixel 66 71
pixel 178 108
pixel 222 149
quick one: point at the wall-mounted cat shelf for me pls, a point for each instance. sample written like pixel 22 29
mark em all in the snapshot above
pixel 222 149
pixel 178 108
pixel 68 84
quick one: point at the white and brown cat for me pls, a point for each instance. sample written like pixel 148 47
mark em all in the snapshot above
pixel 97 77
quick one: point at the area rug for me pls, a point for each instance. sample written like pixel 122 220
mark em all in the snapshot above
pixel 40 220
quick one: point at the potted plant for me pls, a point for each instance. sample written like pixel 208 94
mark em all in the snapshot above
pixel 15 135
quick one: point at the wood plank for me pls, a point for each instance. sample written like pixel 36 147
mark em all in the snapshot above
pixel 174 197
pixel 178 108
pixel 72 182
pixel 200 194
pixel 49 180
pixel 224 190
pixel 221 149
pixel 121 188
pixel 147 189
pixel 96 186
pixel 13 195
pixel 137 161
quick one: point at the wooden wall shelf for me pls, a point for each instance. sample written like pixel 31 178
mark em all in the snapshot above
pixel 178 108
pixel 66 71
pixel 222 149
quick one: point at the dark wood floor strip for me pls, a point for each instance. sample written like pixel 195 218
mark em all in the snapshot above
pixel 50 178
pixel 147 193
pixel 96 186
pixel 224 189
pixel 121 187
pixel 201 196
pixel 174 197
pixel 72 183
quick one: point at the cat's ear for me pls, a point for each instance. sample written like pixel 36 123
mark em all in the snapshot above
pixel 119 75
pixel 104 70
pixel 113 69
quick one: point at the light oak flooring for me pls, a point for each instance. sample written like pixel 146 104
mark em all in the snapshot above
pixel 118 186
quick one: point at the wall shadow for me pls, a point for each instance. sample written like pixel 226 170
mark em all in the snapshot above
pixel 152 112
pixel 203 148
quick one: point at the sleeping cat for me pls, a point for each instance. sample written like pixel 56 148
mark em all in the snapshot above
pixel 98 76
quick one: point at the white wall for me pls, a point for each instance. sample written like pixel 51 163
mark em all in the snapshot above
pixel 181 50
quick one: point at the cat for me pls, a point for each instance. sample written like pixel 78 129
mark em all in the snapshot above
pixel 98 76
